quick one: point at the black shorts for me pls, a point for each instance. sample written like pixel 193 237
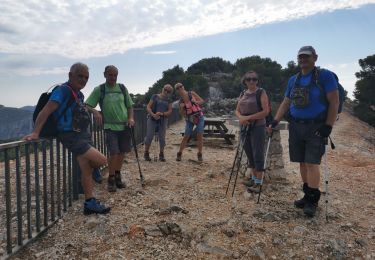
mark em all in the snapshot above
pixel 118 141
pixel 304 145
pixel 76 142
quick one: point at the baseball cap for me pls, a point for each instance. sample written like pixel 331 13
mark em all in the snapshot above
pixel 308 50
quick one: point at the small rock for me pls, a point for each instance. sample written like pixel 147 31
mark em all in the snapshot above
pixel 135 230
pixel 92 222
pixel 39 254
pixel 361 242
pixel 300 230
pixel 229 232
pixel 204 248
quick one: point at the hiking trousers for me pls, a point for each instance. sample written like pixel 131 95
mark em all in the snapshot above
pixel 254 146
pixel 160 126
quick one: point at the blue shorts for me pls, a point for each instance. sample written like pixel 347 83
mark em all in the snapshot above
pixel 198 129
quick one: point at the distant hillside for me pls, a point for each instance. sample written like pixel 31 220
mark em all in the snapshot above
pixel 14 122
pixel 28 108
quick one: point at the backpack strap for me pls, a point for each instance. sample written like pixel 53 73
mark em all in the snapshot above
pixel 125 92
pixel 258 94
pixel 102 95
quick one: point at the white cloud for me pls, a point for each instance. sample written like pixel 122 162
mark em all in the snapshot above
pixel 23 71
pixel 83 29
pixel 160 52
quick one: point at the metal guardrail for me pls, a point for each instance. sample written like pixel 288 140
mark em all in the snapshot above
pixel 41 180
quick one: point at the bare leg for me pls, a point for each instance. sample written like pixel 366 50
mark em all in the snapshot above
pixel 303 171
pixel 200 142
pixel 147 147
pixel 119 161
pixel 112 159
pixel 184 142
pixel 313 175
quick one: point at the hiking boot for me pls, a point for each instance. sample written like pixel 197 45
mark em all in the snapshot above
pixel 97 176
pixel 310 209
pixel 248 183
pixel 147 156
pixel 200 157
pixel 161 157
pixel 118 181
pixel 111 187
pixel 312 199
pixel 300 204
pixel 94 207
pixel 254 189
pixel 179 155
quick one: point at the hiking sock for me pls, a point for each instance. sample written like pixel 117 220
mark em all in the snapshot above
pixel 258 181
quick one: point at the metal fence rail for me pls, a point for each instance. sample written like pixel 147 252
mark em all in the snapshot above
pixel 39 180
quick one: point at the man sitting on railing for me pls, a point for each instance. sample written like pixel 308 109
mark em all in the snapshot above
pixel 117 115
pixel 73 132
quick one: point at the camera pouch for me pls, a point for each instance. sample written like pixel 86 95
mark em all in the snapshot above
pixel 300 97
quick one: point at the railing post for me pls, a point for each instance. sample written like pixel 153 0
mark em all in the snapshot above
pixel 8 202
pixel 28 190
pixel 37 187
pixel 19 198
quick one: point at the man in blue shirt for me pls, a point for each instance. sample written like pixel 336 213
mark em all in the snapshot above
pixel 312 100
pixel 66 104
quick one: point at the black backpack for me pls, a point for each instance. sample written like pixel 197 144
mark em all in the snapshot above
pixel 50 126
pixel 258 94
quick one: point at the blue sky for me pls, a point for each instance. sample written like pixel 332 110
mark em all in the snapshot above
pixel 39 41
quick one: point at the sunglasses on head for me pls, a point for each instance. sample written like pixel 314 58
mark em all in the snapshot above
pixel 251 79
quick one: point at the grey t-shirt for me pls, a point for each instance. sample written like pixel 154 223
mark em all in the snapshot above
pixel 248 106
pixel 160 104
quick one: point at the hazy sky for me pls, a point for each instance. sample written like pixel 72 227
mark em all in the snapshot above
pixel 39 40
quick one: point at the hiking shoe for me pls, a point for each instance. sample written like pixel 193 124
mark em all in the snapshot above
pixel 97 176
pixel 111 184
pixel 94 207
pixel 248 183
pixel 310 209
pixel 161 157
pixel 254 189
pixel 179 155
pixel 200 157
pixel 118 181
pixel 147 156
pixel 300 204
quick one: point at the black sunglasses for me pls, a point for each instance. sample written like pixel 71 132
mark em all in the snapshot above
pixel 167 91
pixel 251 79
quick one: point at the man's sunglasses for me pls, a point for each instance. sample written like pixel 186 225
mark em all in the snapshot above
pixel 251 79
pixel 167 91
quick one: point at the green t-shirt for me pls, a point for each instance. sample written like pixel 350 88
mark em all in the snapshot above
pixel 115 114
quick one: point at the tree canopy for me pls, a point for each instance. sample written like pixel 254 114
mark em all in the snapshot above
pixel 364 92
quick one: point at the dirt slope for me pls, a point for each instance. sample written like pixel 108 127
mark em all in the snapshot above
pixel 183 212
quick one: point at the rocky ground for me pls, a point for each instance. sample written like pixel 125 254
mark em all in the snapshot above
pixel 183 212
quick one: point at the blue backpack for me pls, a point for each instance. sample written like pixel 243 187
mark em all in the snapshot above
pixel 315 77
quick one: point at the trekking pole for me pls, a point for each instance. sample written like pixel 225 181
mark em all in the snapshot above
pixel 156 141
pixel 265 165
pixel 234 163
pixel 239 164
pixel 136 156
pixel 326 178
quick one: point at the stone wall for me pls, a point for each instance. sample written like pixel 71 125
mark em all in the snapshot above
pixel 275 163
